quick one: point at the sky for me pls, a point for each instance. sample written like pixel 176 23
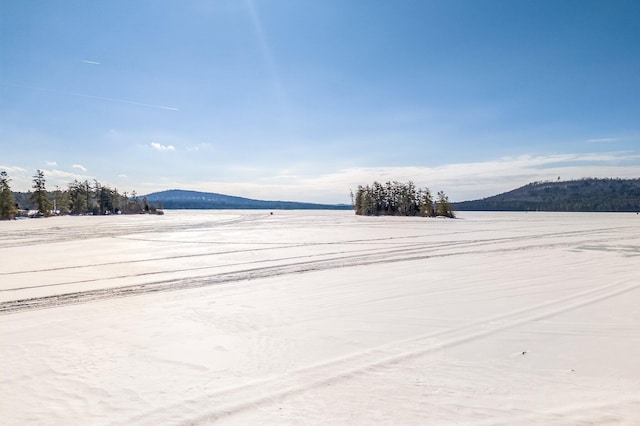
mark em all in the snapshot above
pixel 304 100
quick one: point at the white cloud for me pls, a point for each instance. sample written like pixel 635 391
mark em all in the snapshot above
pixel 11 169
pixel 79 167
pixel 22 179
pixel 122 176
pixel 160 147
pixel 61 175
pixel 51 163
pixel 461 181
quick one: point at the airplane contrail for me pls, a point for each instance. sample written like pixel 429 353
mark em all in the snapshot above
pixel 89 62
pixel 124 101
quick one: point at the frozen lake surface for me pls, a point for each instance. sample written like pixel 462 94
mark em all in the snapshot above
pixel 313 317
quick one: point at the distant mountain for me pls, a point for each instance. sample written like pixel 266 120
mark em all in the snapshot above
pixel 181 199
pixel 585 195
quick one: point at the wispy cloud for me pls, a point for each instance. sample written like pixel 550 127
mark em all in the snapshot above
pixel 102 98
pixel 159 147
pixel 61 177
pixel 461 181
pixel 11 169
pixel 89 62
pixel 51 163
pixel 22 179
pixel 79 167
pixel 601 140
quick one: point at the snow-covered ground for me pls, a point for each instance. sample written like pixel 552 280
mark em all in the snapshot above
pixel 307 317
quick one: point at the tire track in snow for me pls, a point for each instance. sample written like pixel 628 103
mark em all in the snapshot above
pixel 277 246
pixel 162 272
pixel 271 246
pixel 341 261
pixel 397 248
pixel 58 234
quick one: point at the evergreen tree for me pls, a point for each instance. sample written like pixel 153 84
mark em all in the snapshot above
pixel 64 202
pixel 444 207
pixel 134 205
pixel 396 198
pixel 389 193
pixel 8 208
pixel 105 199
pixel 39 195
pixel 87 195
pixel 56 199
pixel 93 197
pixel 426 203
pixel 117 201
pixel 77 198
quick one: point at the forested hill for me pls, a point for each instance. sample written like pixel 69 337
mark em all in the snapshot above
pixel 585 195
pixel 181 199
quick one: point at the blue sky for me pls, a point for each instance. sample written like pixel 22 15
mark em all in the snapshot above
pixel 305 99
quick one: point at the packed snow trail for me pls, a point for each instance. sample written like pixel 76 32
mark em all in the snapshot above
pixel 320 318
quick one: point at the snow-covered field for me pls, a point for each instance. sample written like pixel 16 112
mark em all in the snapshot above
pixel 308 318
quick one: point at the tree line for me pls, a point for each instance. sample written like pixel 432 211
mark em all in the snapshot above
pixel 399 199
pixel 79 198
pixel 583 195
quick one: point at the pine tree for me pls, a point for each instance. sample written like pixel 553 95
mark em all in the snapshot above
pixel 116 200
pixel 8 208
pixel 39 195
pixel 426 203
pixel 444 207
pixel 105 198
pixel 77 198
pixel 134 205
pixel 397 198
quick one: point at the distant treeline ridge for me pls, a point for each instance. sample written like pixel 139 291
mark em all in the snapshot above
pixel 584 195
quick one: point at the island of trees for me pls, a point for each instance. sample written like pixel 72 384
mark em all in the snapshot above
pixel 399 199
pixel 79 198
